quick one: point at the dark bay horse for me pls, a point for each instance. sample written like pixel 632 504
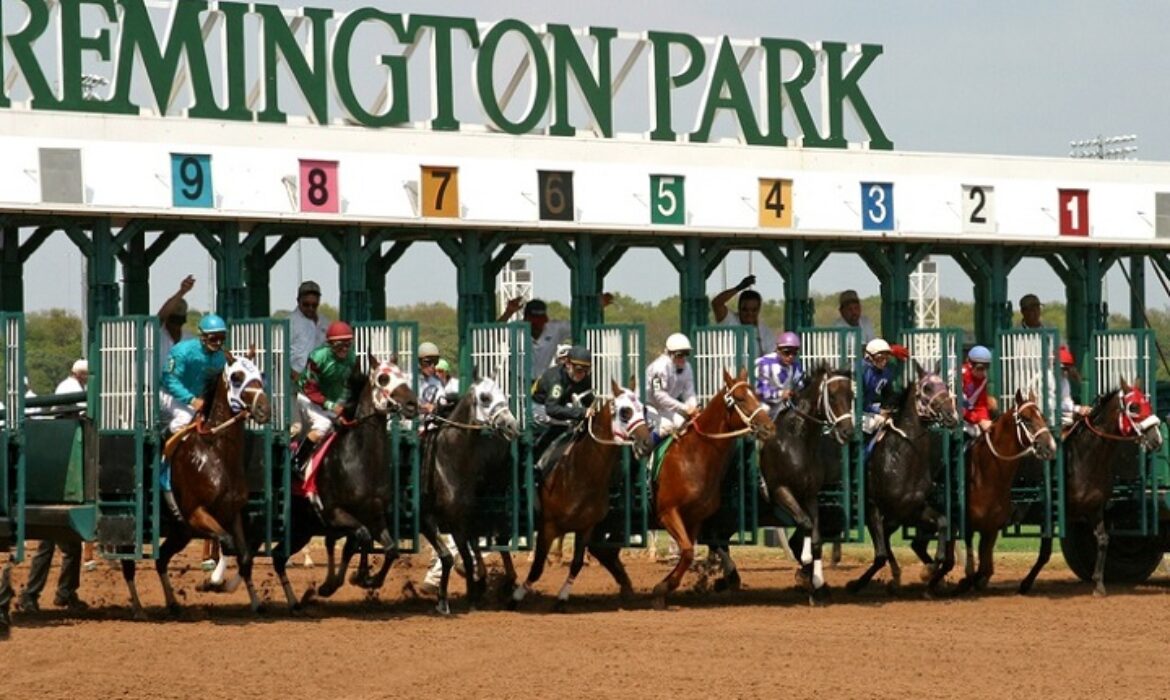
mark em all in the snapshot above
pixel 991 468
pixel 353 482
pixel 467 453
pixel 575 496
pixel 792 463
pixel 207 472
pixel 689 480
pixel 899 477
pixel 1090 457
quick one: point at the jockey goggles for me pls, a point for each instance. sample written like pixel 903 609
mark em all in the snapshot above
pixel 215 338
pixel 681 353
pixel 577 364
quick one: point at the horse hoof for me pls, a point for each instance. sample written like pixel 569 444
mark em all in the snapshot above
pixel 326 590
pixel 561 606
pixel 893 588
pixel 1099 592
pixel 854 586
pixel 513 605
pixel 727 584
pixel 309 596
pixel 981 584
pixel 174 610
pixel 138 615
pixel 927 573
pixel 443 608
pixel 659 602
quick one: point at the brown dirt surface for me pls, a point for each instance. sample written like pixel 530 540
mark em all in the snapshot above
pixel 762 641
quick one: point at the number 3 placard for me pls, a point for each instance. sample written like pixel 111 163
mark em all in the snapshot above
pixel 877 206
pixel 319 187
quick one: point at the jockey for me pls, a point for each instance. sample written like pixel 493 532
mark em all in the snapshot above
pixel 1069 409
pixel 430 387
pixel 780 374
pixel 565 392
pixel 322 390
pixel 977 402
pixel 877 386
pixel 672 397
pixel 190 365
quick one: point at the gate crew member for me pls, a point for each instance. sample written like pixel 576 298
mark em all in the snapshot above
pixel 780 374
pixel 323 390
pixel 565 392
pixel 672 397
pixel 747 312
pixel 1070 410
pixel 191 365
pixel 877 386
pixel 977 401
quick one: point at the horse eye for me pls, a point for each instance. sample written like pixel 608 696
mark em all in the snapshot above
pixel 237 378
pixel 383 380
pixel 1133 409
pixel 626 414
pixel 485 399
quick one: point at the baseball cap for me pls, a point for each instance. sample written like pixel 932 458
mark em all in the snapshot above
pixel 1029 300
pixel 308 287
pixel 847 297
pixel 536 307
pixel 80 366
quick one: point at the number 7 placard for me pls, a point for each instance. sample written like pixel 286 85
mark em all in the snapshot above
pixel 440 191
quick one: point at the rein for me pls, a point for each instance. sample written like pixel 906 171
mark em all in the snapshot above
pixel 470 426
pixel 615 442
pixel 831 419
pixel 731 403
pixel 1030 450
pixel 203 430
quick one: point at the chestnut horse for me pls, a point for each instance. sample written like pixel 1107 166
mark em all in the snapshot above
pixel 1090 454
pixel 575 495
pixel 207 471
pixel 688 487
pixel 991 468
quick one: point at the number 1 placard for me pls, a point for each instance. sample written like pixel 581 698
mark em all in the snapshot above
pixel 320 191
pixel 191 180
pixel 667 203
pixel 1074 212
pixel 440 192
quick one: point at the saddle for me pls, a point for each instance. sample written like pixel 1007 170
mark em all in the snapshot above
pixel 307 488
pixel 173 441
pixel 548 461
pixel 656 457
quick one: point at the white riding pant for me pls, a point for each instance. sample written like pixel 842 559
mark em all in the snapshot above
pixel 435 572
pixel 664 422
pixel 315 417
pixel 972 429
pixel 177 414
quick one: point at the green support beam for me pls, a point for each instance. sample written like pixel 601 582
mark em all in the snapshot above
pixel 588 258
pixel 691 264
pixel 1137 291
pixel 259 260
pixel 472 255
pixel 892 264
pixel 796 264
pixel 988 269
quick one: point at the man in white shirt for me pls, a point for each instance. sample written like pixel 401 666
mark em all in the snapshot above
pixel 546 334
pixel 76 381
pixel 747 312
pixel 173 317
pixel 306 327
pixel 849 304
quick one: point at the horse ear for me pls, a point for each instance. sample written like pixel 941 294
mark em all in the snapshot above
pixel 229 357
pixel 727 377
pixel 475 374
pixel 742 375
pixel 613 385
pixel 918 369
pixel 1019 397
pixel 633 384
pixel 373 360
pixel 1124 385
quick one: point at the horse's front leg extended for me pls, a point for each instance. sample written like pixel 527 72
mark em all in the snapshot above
pixel 430 531
pixel 244 559
pixel 334 581
pixel 580 542
pixel 673 522
pixel 544 537
pixel 1102 549
pixel 877 532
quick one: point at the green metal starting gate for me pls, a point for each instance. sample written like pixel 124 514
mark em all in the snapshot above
pixel 12 460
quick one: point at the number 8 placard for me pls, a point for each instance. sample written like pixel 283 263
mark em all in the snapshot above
pixel 320 192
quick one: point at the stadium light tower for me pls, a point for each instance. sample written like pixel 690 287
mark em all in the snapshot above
pixel 1104 148
pixel 515 280
pixel 924 294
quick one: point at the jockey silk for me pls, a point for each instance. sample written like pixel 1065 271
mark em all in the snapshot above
pixel 188 369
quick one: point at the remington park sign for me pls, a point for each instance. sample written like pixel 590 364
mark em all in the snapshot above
pixel 316 44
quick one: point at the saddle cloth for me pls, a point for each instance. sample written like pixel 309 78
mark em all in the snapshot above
pixel 308 487
pixel 656 458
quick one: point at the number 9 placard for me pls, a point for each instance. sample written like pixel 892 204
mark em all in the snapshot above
pixel 191 180
pixel 319 187
pixel 877 206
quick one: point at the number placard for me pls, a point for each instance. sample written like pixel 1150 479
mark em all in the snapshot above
pixel 440 191
pixel 877 206
pixel 556 195
pixel 191 180
pixel 979 209
pixel 775 203
pixel 667 201
pixel 320 189
pixel 1074 212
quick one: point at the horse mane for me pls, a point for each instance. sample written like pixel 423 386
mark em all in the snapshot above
pixel 358 381
pixel 821 371
pixel 210 389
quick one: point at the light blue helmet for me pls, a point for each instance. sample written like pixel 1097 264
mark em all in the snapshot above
pixel 212 323
pixel 979 354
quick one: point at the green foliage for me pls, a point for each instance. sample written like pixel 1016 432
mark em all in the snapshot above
pixel 54 342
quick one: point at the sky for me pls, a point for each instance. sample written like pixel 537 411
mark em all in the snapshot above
pixel 991 77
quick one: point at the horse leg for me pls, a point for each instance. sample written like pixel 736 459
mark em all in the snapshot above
pixel 173 544
pixel 244 560
pixel 876 526
pixel 1102 548
pixel 464 546
pixel 611 559
pixel 730 580
pixel 968 579
pixel 895 583
pixel 334 581
pixel 5 598
pixel 430 530
pixel 673 522
pixel 580 541
pixel 544 538
pixel 300 537
pixel 390 547
pixel 129 569
pixel 944 558
pixel 820 591
pixel 787 500
pixel 986 558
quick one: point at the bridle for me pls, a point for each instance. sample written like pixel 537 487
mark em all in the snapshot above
pixel 621 434
pixel 831 419
pixel 928 406
pixel 1024 434
pixel 733 404
pixel 242 397
pixel 1125 422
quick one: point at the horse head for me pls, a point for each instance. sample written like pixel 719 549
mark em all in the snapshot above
pixel 1137 416
pixel 390 388
pixel 1031 428
pixel 741 400
pixel 935 402
pixel 490 407
pixel 629 420
pixel 834 401
pixel 245 388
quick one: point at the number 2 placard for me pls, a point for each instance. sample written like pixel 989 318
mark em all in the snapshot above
pixel 440 192
pixel 978 209
pixel 1074 212
pixel 320 192
pixel 191 180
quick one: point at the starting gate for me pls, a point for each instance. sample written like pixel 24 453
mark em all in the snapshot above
pixel 12 461
pixel 842 500
pixel 731 349
pixel 1026 362
pixel 503 351
pixel 398 341
pixel 619 355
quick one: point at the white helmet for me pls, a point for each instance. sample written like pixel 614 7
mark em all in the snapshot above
pixel 877 346
pixel 563 350
pixel 428 350
pixel 677 342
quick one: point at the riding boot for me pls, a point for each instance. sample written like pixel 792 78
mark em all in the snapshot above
pixel 169 498
pixel 301 460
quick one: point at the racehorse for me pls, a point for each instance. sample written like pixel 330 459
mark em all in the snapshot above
pixel 574 497
pixel 207 473
pixel 352 481
pixel 898 476
pixel 692 469
pixel 464 454
pixel 992 464
pixel 792 464
pixel 1091 452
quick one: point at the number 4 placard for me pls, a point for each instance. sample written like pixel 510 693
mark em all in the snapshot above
pixel 1074 212
pixel 320 192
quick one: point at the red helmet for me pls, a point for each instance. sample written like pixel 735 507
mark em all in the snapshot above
pixel 1066 357
pixel 339 330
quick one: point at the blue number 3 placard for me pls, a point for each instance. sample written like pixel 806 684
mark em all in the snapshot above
pixel 877 206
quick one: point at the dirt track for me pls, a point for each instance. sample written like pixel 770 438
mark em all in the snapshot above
pixel 763 641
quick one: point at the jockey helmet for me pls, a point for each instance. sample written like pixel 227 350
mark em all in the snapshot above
pixel 563 351
pixel 1066 356
pixel 788 339
pixel 212 323
pixel 876 347
pixel 443 366
pixel 677 342
pixel 580 356
pixel 979 354
pixel 339 330
pixel 428 350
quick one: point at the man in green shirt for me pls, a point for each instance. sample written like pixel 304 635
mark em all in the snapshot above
pixel 322 390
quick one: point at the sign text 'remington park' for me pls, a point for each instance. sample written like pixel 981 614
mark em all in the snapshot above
pixel 316 44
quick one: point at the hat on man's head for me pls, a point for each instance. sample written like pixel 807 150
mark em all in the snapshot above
pixel 1029 301
pixel 80 366
pixel 308 287
pixel 536 307
pixel 847 297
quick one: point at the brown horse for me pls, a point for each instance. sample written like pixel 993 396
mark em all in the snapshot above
pixel 694 465
pixel 207 471
pixel 1090 455
pixel 994 460
pixel 575 495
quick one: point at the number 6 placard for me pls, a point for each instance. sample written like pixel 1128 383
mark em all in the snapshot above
pixel 556 195
pixel 319 187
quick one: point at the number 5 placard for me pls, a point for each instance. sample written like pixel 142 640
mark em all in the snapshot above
pixel 440 192
pixel 667 202
pixel 877 206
